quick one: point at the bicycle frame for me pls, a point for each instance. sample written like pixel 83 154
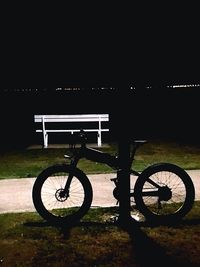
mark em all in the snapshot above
pixel 100 157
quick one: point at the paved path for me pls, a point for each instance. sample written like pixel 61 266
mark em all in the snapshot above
pixel 16 194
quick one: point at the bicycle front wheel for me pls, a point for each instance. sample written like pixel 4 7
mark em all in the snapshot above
pixel 51 201
pixel 164 192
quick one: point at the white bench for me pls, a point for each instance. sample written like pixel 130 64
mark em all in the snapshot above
pixel 82 119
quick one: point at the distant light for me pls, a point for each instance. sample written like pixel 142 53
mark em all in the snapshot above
pixel 185 85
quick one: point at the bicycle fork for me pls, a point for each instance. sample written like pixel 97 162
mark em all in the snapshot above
pixel 65 191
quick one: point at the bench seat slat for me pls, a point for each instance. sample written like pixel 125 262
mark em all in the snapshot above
pixel 70 120
pixel 75 130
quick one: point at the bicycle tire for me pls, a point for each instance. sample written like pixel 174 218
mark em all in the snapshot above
pixel 177 184
pixel 54 208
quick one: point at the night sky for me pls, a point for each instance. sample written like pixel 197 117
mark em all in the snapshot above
pixel 98 46
pixel 103 47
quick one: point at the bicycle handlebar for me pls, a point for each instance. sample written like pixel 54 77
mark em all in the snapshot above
pixel 80 137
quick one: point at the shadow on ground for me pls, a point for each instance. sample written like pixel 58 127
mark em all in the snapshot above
pixel 145 250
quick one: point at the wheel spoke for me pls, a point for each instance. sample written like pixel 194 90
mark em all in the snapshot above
pixel 164 191
pixel 53 203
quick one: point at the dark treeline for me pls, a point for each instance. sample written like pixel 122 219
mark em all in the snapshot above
pixel 149 112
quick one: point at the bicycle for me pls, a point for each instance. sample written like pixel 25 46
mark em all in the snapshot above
pixel 62 193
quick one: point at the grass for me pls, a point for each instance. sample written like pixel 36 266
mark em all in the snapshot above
pixel 30 162
pixel 27 240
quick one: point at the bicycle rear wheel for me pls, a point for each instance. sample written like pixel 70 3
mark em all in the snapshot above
pixel 56 206
pixel 164 192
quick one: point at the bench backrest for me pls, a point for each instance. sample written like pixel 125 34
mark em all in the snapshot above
pixel 72 118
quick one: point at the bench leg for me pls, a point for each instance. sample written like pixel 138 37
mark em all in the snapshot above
pixel 46 140
pixel 99 143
